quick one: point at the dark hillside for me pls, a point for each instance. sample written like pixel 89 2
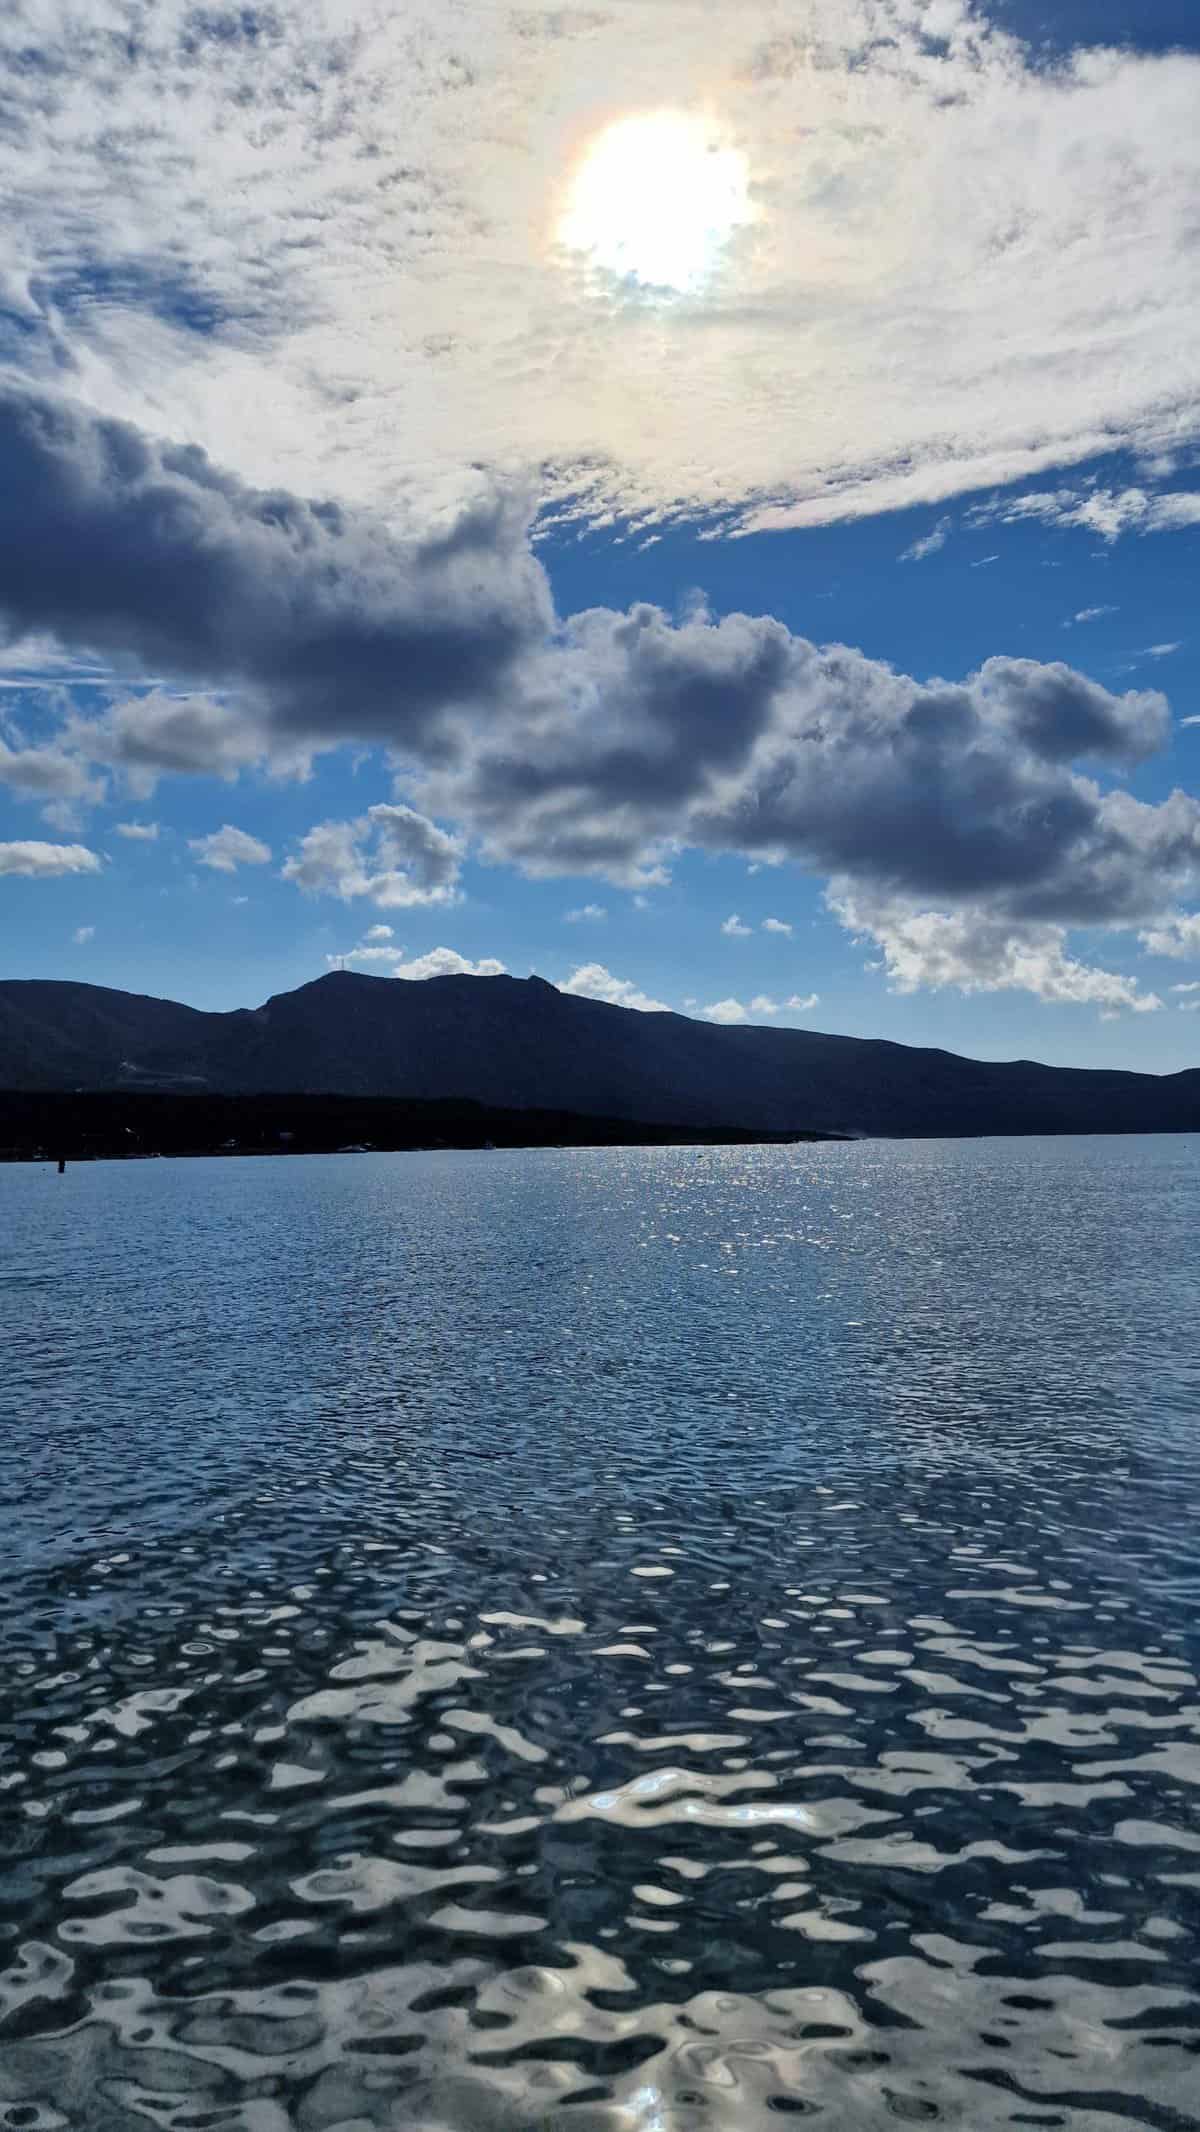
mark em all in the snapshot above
pixel 520 1044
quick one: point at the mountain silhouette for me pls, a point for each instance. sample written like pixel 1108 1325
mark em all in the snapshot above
pixel 519 1043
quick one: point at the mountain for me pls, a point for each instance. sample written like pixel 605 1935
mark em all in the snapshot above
pixel 522 1044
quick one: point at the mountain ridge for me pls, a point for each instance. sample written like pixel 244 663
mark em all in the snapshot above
pixel 521 1043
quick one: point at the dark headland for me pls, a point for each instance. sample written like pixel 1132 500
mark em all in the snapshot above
pixel 467 1060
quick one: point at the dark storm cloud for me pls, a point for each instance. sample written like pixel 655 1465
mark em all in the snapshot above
pixel 1063 717
pixel 332 626
pixel 824 756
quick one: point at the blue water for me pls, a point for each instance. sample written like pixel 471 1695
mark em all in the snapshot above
pixel 635 1641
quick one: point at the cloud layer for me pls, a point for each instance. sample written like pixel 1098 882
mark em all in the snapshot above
pixel 595 745
pixel 324 240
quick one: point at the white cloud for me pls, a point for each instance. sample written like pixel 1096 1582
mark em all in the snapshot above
pixel 82 934
pixel 1177 936
pixel 733 928
pixel 369 200
pixel 1162 651
pixel 378 932
pixel 920 549
pixel 439 962
pixel 974 951
pixel 224 850
pixel 803 1004
pixel 1106 512
pixel 592 981
pixel 777 925
pixel 729 1012
pixel 42 861
pixel 396 857
pixel 138 832
pixel 447 962
pixel 1194 986
pixel 1090 614
pixel 364 952
pixel 587 914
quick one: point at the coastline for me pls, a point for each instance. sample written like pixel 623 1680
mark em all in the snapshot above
pixel 143 1124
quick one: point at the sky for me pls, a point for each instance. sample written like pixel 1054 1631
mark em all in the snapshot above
pixel 702 504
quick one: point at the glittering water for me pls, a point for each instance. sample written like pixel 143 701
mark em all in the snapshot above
pixel 654 1639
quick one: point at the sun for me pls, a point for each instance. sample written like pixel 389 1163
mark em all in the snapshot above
pixel 655 199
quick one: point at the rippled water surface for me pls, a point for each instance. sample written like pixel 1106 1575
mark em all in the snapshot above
pixel 628 1641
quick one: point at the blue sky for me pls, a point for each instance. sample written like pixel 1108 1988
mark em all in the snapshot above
pixel 425 542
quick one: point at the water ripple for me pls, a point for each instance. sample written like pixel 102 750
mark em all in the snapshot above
pixel 470 1664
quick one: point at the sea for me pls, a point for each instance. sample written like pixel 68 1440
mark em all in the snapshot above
pixel 638 1640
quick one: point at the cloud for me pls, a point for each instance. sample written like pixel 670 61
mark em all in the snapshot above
pixel 598 744
pixel 365 953
pixel 592 981
pixel 47 773
pixel 446 962
pixel 82 934
pixel 921 549
pixel 228 848
pixel 587 914
pixel 733 736
pixel 378 932
pixel 1090 614
pixel 1176 935
pixel 333 255
pixel 1194 986
pixel 391 854
pixel 734 929
pixel 777 925
pixel 439 962
pixel 729 1012
pixel 1107 512
pixel 138 832
pixel 181 734
pixel 932 949
pixel 1161 651
pixel 42 861
pixel 327 624
pixel 803 1003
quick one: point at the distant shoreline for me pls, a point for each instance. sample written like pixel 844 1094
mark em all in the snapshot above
pixel 121 1125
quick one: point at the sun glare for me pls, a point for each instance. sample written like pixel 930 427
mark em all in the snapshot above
pixel 654 200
